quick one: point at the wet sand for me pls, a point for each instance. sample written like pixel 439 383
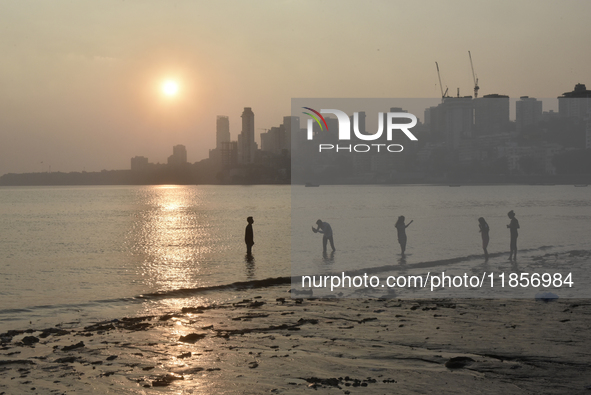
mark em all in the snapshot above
pixel 270 343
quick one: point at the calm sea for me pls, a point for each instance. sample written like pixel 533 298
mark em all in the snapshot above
pixel 94 253
pixel 72 252
pixel 444 234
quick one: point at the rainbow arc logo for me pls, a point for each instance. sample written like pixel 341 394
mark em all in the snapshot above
pixel 315 117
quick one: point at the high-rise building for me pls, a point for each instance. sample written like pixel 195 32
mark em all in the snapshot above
pixel 246 145
pixel 290 123
pixel 528 112
pixel 180 152
pixel 455 120
pixel 452 120
pixel 179 155
pixel 271 141
pixel 491 115
pixel 267 141
pixel 139 163
pixel 278 138
pixel 222 133
pixel 575 104
pixel 229 153
pixel 435 120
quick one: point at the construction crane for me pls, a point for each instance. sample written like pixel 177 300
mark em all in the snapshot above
pixel 441 86
pixel 476 87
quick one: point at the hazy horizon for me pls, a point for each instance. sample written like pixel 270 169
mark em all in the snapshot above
pixel 80 81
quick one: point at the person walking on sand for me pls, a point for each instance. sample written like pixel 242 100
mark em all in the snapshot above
pixel 401 227
pixel 326 230
pixel 513 226
pixel 249 236
pixel 484 233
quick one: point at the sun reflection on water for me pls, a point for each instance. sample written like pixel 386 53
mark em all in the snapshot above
pixel 173 239
pixel 184 238
pixel 172 235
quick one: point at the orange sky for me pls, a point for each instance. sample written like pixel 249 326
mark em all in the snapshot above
pixel 80 80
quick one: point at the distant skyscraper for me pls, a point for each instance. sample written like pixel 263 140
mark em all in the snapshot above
pixel 455 120
pixel 435 119
pixel 179 155
pixel 290 123
pixel 222 133
pixel 452 120
pixel 491 115
pixel 180 152
pixel 266 141
pixel 246 144
pixel 229 153
pixel 139 163
pixel 575 104
pixel 528 111
pixel 271 140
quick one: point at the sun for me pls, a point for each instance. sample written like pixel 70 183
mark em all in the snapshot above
pixel 170 88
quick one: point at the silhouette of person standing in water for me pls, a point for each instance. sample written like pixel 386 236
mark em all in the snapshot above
pixel 326 230
pixel 513 226
pixel 249 236
pixel 484 233
pixel 401 227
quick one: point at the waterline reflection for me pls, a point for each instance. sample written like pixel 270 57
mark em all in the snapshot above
pixel 171 235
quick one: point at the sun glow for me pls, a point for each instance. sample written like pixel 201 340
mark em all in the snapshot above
pixel 170 88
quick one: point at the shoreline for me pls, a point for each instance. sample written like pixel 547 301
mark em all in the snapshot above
pixel 544 259
pixel 276 344
pixel 582 181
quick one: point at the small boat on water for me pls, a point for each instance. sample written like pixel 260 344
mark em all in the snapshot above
pixel 455 185
pixel 581 185
pixel 309 184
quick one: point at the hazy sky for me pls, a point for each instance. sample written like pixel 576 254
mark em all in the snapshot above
pixel 80 80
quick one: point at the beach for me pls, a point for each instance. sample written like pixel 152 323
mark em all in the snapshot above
pixel 288 197
pixel 267 342
pixel 146 290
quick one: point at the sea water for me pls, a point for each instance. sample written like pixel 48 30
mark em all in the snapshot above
pixel 81 253
pixel 95 252
pixel 444 235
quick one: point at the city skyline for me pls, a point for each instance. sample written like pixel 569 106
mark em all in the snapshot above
pixel 223 133
pixel 487 117
pixel 81 81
